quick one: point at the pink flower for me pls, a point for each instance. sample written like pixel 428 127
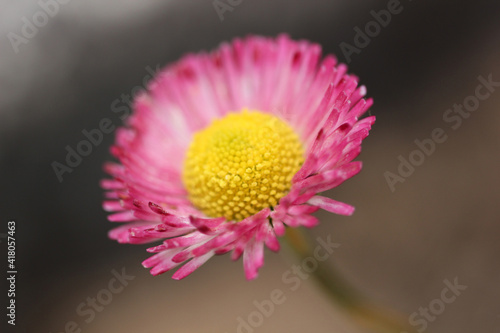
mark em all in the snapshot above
pixel 227 148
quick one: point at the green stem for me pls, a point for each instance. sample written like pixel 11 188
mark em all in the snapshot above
pixel 373 317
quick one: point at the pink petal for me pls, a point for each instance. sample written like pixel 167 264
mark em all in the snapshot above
pixel 332 205
pixel 191 266
pixel 253 259
pixel 122 216
pixel 161 262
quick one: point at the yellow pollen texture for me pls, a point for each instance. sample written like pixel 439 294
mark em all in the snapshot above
pixel 241 164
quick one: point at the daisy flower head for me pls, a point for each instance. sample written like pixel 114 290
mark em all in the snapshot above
pixel 226 149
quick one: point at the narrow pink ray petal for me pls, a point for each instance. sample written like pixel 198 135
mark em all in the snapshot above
pixel 112 206
pixel 206 226
pixel 122 233
pixel 331 205
pixel 161 262
pixel 278 76
pixel 253 258
pixel 122 216
pixel 302 209
pixel 191 266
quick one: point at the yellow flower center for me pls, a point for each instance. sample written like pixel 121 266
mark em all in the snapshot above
pixel 241 164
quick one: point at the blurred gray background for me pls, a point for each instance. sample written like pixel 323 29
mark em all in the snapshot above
pixel 442 222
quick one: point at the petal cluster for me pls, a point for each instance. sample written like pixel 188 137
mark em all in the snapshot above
pixel 280 76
